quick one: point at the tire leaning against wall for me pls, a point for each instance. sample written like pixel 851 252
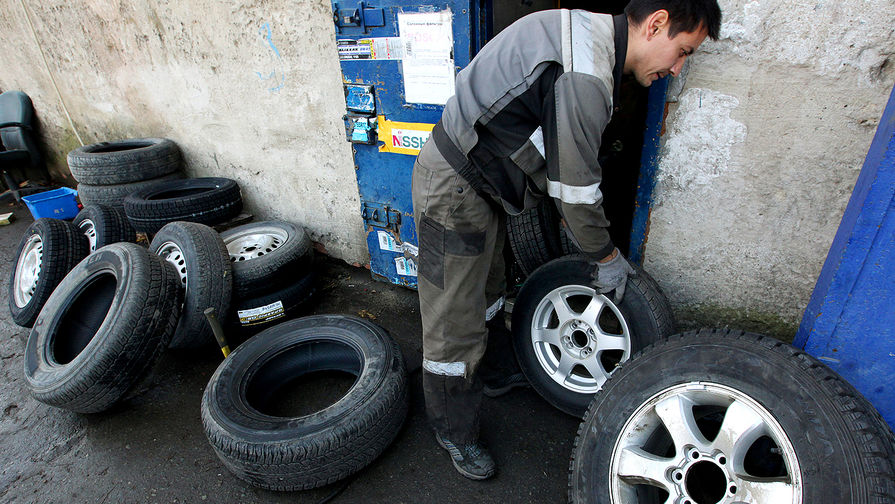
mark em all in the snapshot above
pixel 206 200
pixel 113 195
pixel 727 416
pixel 287 454
pixel 49 249
pixel 102 329
pixel 124 161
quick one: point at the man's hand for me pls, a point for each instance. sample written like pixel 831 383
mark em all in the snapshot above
pixel 611 273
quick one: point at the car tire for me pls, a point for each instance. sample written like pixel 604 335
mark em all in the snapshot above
pixel 253 314
pixel 208 200
pixel 295 453
pixel 113 195
pixel 568 338
pixel 535 236
pixel 102 329
pixel 198 254
pixel 49 249
pixel 103 225
pixel 727 416
pixel 266 255
pixel 124 161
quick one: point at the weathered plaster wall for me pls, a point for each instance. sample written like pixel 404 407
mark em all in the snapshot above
pixel 761 153
pixel 249 89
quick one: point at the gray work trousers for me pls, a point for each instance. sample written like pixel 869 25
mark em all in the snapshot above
pixel 461 286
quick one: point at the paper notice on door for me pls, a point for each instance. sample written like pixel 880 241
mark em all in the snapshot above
pixel 405 266
pixel 428 63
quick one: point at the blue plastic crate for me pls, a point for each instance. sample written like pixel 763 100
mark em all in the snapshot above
pixel 57 204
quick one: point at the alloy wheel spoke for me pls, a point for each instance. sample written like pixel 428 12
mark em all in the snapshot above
pixel 591 313
pixel 636 466
pixel 676 413
pixel 769 490
pixel 742 425
pixel 566 364
pixel 547 335
pixel 561 306
pixel 611 342
pixel 596 370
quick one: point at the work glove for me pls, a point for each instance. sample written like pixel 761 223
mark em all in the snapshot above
pixel 612 275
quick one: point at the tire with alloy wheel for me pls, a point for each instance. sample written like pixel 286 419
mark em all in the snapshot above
pixel 266 255
pixel 569 338
pixel 49 249
pixel 124 161
pixel 103 328
pixel 280 450
pixel 208 200
pixel 104 225
pixel 200 258
pixel 729 417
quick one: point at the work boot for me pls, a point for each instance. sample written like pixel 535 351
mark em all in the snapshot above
pixel 470 460
pixel 496 386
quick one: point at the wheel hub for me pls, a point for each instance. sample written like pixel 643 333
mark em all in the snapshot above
pixel 732 452
pixel 254 244
pixel 171 252
pixel 572 341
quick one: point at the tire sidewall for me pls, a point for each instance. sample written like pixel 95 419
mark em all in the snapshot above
pixel 565 271
pixel 41 372
pixel 225 400
pixel 827 463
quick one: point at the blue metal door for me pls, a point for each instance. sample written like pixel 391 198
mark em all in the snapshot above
pixel 398 61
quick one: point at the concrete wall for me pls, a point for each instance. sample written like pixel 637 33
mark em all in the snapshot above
pixel 760 154
pixel 250 90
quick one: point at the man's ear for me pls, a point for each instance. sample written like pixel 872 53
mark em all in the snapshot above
pixel 656 23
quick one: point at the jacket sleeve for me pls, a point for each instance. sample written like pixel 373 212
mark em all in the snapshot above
pixel 576 113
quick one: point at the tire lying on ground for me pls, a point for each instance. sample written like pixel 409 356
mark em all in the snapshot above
pixel 266 256
pixel 124 161
pixel 253 314
pixel 102 329
pixel 49 249
pixel 280 453
pixel 103 225
pixel 200 258
pixel 113 195
pixel 569 338
pixel 209 200
pixel 726 416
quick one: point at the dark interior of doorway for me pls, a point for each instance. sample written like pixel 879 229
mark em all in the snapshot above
pixel 622 144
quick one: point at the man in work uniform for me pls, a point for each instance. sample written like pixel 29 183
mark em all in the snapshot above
pixel 525 123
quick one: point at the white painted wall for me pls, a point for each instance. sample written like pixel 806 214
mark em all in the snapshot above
pixel 759 157
pixel 249 89
pixel 762 151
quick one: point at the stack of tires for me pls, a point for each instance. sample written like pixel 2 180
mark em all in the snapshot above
pixel 273 272
pixel 108 171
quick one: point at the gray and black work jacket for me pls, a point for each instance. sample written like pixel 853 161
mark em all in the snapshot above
pixel 529 111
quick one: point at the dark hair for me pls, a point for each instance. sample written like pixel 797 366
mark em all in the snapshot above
pixel 684 15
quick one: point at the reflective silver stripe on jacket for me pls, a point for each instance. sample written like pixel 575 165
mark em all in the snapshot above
pixel 537 139
pixel 494 308
pixel 575 195
pixel 445 368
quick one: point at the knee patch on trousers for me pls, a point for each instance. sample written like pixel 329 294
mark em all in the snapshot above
pixel 436 241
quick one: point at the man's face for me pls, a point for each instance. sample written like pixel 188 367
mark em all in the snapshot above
pixel 663 55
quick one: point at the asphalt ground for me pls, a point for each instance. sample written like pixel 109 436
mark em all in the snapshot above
pixel 151 447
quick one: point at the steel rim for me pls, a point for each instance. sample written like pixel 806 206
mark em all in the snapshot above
pixel 664 453
pixel 89 228
pixel 579 336
pixel 172 253
pixel 254 243
pixel 28 271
